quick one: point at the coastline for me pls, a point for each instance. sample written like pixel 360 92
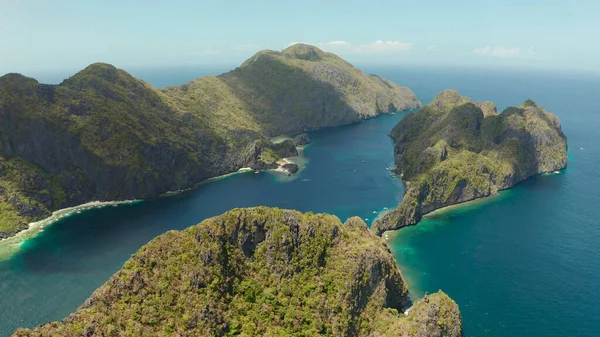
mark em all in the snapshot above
pixel 466 203
pixel 439 211
pixel 488 198
pixel 196 185
pixel 11 245
pixel 481 200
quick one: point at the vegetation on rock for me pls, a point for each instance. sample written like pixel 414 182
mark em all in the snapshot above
pixel 454 150
pixel 105 135
pixel 260 271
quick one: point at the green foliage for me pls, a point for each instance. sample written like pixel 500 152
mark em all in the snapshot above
pixel 103 134
pixel 304 88
pixel 453 151
pixel 10 220
pixel 24 195
pixel 248 272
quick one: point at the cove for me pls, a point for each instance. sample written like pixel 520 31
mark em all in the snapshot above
pixel 57 270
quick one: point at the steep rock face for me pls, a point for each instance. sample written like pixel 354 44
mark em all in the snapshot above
pixel 100 135
pixel 105 135
pixel 454 151
pixel 260 271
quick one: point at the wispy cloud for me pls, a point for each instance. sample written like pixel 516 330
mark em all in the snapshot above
pixel 377 47
pixel 337 43
pixel 498 52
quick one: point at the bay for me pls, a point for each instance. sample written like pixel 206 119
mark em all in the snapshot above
pixel 57 270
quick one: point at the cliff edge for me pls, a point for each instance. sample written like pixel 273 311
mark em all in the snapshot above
pixel 455 150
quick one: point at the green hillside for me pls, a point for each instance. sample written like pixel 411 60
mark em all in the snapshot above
pixel 105 135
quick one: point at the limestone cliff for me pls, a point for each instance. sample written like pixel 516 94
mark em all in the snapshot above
pixel 105 135
pixel 257 272
pixel 454 150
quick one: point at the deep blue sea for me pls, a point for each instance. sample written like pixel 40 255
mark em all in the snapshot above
pixel 525 263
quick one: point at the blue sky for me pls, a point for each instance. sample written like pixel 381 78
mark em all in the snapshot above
pixel 63 35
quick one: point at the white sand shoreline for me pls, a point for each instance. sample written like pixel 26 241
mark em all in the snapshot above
pixel 10 245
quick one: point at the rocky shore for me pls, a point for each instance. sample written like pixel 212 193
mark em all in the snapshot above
pixel 455 150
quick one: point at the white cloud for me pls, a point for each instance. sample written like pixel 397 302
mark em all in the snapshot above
pixel 377 47
pixel 498 52
pixel 337 43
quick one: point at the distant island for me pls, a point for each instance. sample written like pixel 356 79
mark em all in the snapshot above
pixel 105 135
pixel 260 272
pixel 456 150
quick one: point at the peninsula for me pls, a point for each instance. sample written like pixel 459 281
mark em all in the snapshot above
pixel 456 150
pixel 260 272
pixel 103 135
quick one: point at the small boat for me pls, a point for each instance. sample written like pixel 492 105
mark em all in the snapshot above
pixel 556 172
pixel 374 212
pixel 363 161
pixel 385 208
pixel 256 172
pixel 366 219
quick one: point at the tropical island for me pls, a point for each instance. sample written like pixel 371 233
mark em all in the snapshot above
pixel 456 150
pixel 103 135
pixel 260 271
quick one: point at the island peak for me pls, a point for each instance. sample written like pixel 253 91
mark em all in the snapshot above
pixel 448 99
pixel 304 51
